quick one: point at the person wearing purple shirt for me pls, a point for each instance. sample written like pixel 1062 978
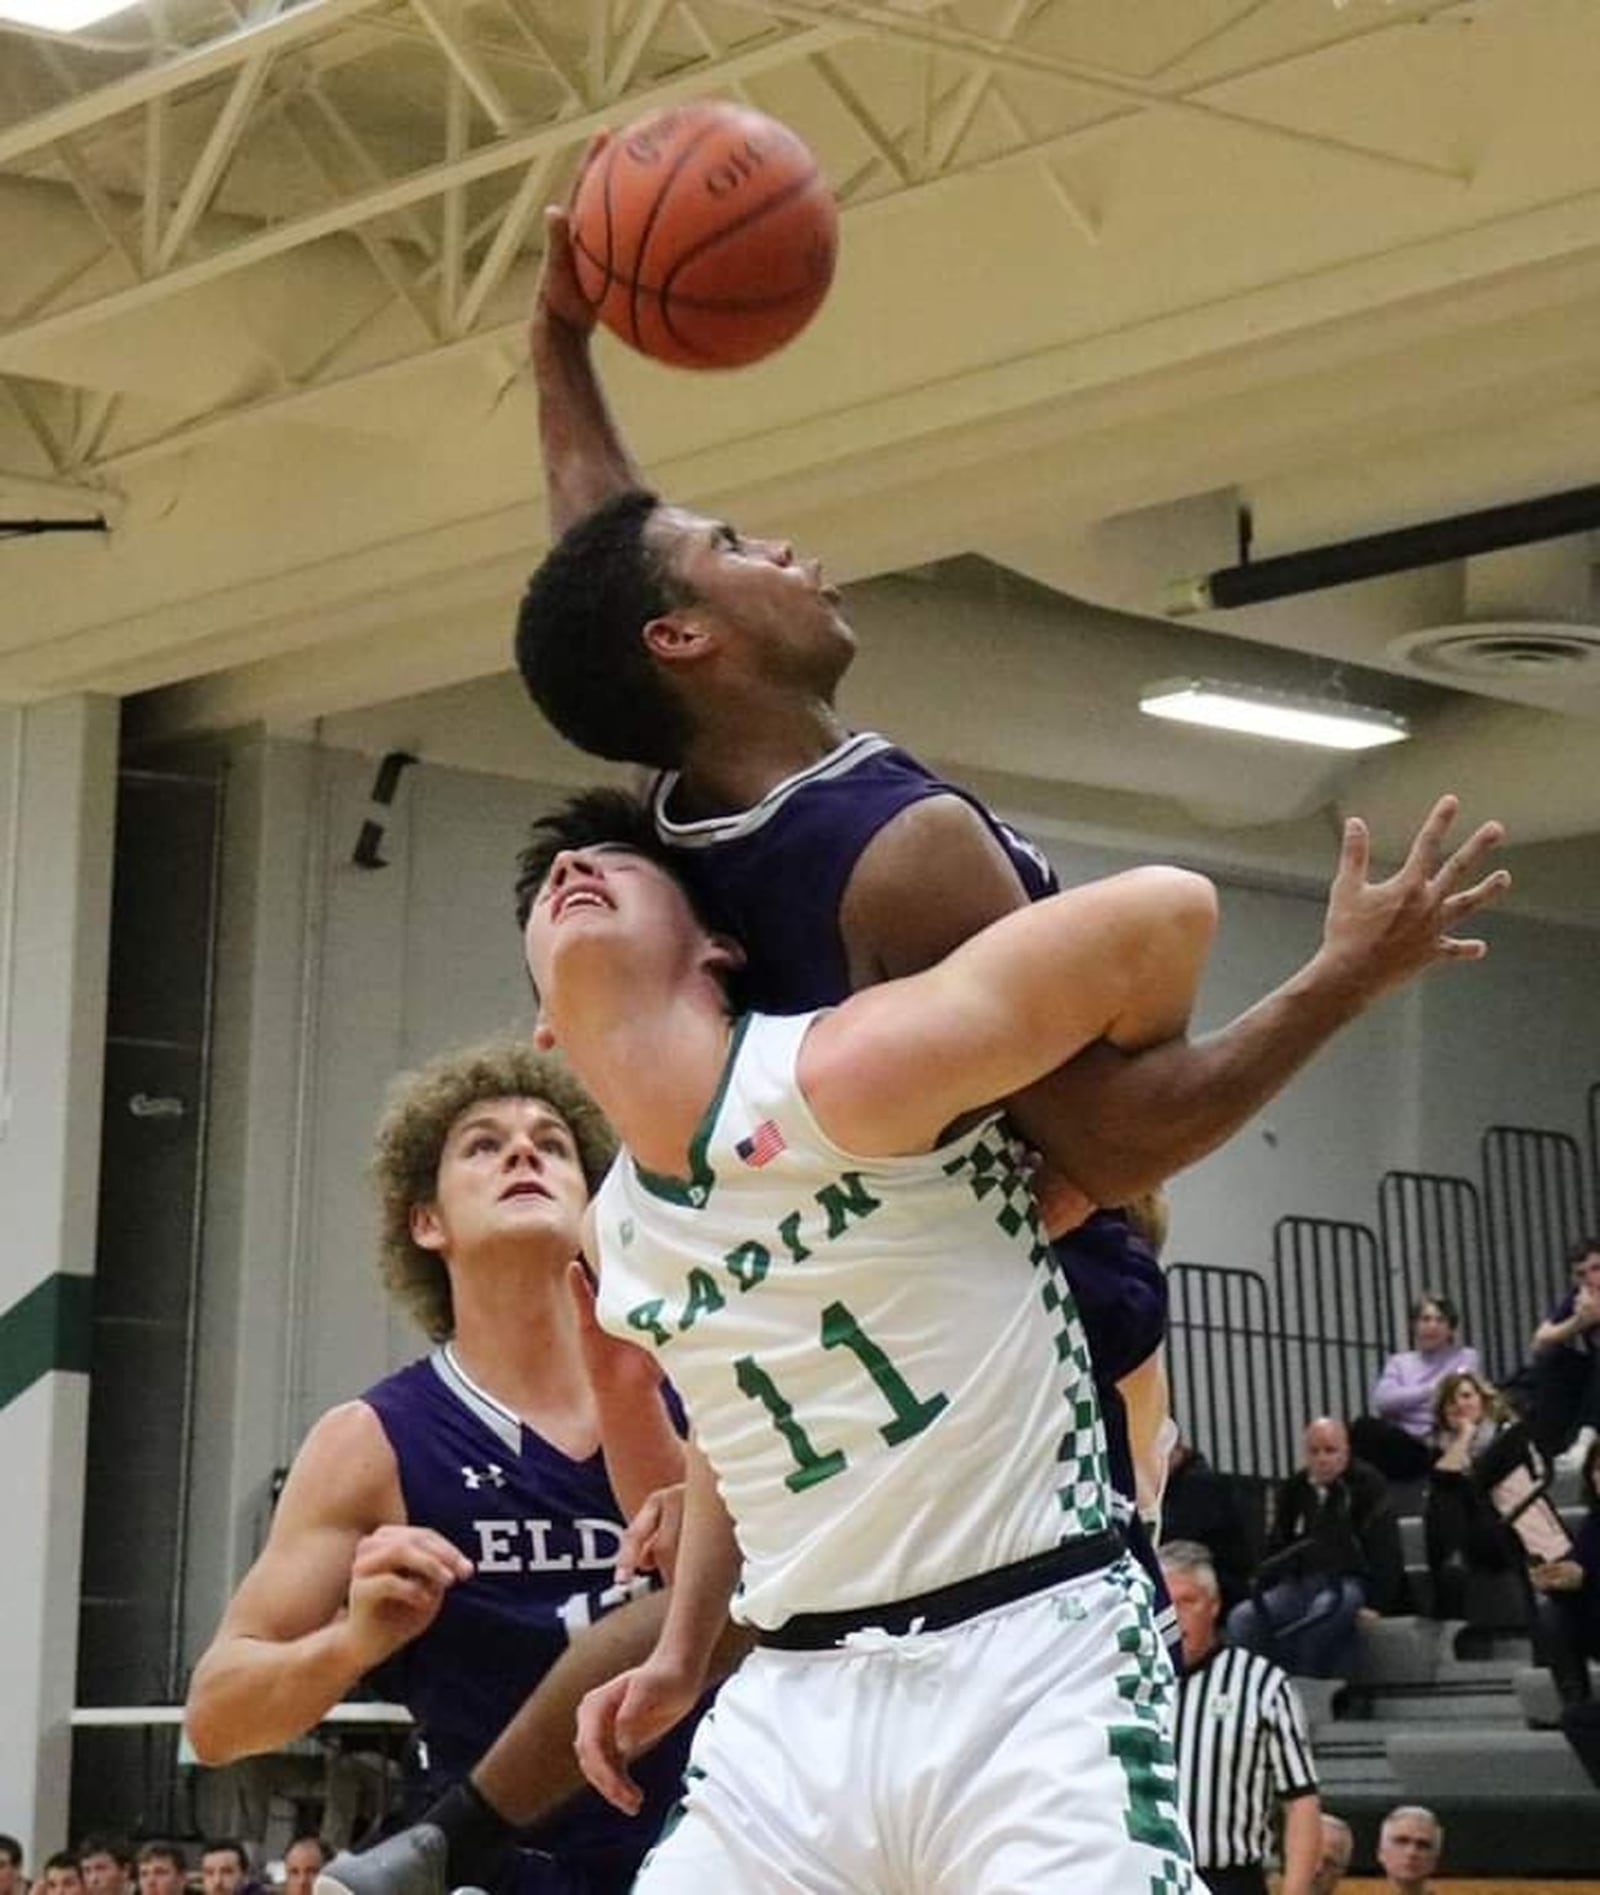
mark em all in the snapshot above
pixel 1397 1437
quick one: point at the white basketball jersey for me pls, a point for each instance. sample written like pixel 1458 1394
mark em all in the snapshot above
pixel 880 1356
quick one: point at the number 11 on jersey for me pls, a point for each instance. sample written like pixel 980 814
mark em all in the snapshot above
pixel 909 1413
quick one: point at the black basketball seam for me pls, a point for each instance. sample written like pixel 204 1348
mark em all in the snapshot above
pixel 607 269
pixel 755 213
pixel 653 214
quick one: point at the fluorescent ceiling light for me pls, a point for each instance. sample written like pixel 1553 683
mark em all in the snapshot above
pixel 61 16
pixel 1328 723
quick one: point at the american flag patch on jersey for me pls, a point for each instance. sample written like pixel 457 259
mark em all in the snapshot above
pixel 763 1144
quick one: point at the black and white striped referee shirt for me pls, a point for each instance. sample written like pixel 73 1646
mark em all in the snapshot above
pixel 1242 1750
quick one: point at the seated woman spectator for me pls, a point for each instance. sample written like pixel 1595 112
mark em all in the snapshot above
pixel 1486 1509
pixel 1397 1437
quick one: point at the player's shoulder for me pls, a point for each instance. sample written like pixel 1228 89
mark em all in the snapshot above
pixel 345 1466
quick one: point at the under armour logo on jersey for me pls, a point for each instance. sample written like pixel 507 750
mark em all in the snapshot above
pixel 475 1477
pixel 763 1144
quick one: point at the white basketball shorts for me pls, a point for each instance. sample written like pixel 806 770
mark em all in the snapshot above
pixel 1023 1751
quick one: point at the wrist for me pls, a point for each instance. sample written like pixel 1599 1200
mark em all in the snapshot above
pixel 1337 981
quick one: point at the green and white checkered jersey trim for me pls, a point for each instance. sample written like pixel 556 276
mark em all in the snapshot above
pixel 879 1356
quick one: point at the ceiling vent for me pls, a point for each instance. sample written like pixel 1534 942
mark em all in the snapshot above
pixel 1530 649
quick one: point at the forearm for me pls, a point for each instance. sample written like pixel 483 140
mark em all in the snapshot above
pixel 642 1450
pixel 586 460
pixel 1119 1123
pixel 1302 1844
pixel 253 1694
pixel 705 1576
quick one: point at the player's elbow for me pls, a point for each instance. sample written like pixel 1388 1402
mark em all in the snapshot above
pixel 213 1735
pixel 1176 914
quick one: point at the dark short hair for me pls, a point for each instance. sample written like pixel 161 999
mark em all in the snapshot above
pixel 1444 1304
pixel 578 643
pixel 312 1837
pixel 1582 1250
pixel 216 1844
pixel 112 1846
pixel 11 1850
pixel 163 1852
pixel 63 1859
pixel 585 821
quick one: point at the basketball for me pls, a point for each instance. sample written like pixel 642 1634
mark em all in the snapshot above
pixel 705 235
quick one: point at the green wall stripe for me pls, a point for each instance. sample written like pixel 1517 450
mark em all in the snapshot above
pixel 50 1328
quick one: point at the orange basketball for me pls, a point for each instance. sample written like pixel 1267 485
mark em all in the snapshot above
pixel 705 235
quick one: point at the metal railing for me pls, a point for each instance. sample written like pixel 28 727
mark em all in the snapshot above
pixel 1534 1192
pixel 1223 1354
pixel 1431 1228
pixel 1333 1306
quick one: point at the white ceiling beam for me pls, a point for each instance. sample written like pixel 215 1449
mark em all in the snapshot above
pixel 624 67
pixel 157 123
pixel 380 253
pixel 366 165
pixel 453 212
pixel 216 154
pixel 38 490
pixel 889 24
pixel 309 20
pixel 94 200
pixel 567 73
pixel 468 68
pixel 416 188
pixel 530 198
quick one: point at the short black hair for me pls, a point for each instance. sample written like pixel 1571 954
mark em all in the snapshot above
pixel 215 1846
pixel 163 1852
pixel 578 642
pixel 63 1859
pixel 1582 1250
pixel 112 1846
pixel 1439 1301
pixel 614 817
pixel 11 1850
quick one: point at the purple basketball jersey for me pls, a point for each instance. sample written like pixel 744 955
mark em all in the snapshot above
pixel 542 1531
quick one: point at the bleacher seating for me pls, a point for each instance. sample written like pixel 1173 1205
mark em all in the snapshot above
pixel 1454 1714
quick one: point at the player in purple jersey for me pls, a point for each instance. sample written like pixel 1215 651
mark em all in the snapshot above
pixel 656 635
pixel 457 1525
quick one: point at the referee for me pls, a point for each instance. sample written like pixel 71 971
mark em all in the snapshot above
pixel 1241 1746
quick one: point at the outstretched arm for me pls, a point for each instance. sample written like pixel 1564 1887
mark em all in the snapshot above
pixel 586 460
pixel 1115 1122
pixel 1119 1124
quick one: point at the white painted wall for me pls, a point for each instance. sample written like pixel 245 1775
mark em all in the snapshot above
pixel 333 977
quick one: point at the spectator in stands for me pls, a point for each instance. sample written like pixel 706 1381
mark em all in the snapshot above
pixel 304 1859
pixel 1338 1845
pixel 1397 1437
pixel 106 1866
pixel 1485 1511
pixel 1241 1746
pixel 61 1875
pixel 1409 1842
pixel 12 1880
pixel 1202 1505
pixel 1333 1554
pixel 161 1867
pixel 224 1867
pixel 1565 1372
